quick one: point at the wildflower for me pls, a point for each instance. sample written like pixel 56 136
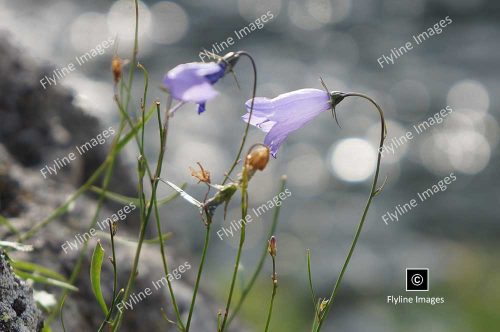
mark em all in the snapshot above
pixel 193 82
pixel 280 116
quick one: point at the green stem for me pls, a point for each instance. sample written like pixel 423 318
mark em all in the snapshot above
pixel 134 55
pixel 374 191
pixel 115 277
pixel 200 270
pixel 162 245
pixel 275 286
pixel 245 134
pixel 244 207
pixel 263 256
pixel 144 222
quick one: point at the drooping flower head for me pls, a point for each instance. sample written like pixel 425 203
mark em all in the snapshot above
pixel 280 116
pixel 193 82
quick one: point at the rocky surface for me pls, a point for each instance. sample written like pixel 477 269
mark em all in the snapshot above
pixel 18 311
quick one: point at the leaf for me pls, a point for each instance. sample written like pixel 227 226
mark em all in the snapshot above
pixel 124 240
pixel 16 245
pixel 122 199
pixel 184 194
pixel 95 275
pixel 8 224
pixel 37 269
pixel 115 197
pixel 46 328
pixel 45 280
pixel 136 128
pixel 311 287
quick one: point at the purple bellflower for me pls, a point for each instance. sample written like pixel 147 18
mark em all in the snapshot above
pixel 280 116
pixel 193 82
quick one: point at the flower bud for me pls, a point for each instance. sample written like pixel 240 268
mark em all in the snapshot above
pixel 271 248
pixel 323 304
pixel 116 68
pixel 114 227
pixel 258 158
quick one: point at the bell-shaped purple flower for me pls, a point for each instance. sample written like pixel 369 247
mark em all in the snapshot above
pixel 280 116
pixel 192 82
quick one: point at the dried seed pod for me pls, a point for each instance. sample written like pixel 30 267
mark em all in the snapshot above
pixel 116 68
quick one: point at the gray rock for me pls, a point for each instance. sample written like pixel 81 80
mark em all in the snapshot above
pixel 18 311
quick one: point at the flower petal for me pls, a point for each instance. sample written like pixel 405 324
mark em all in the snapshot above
pixel 199 68
pixel 299 103
pixel 187 82
pixel 260 122
pixel 286 113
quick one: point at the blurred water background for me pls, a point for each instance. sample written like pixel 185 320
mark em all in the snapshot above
pixel 454 233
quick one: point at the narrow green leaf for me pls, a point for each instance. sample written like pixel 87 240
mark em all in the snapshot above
pixel 37 269
pixel 115 197
pixel 95 275
pixel 61 311
pixel 136 128
pixel 311 287
pixel 124 240
pixel 46 328
pixel 45 280
pixel 122 199
pixel 170 198
pixel 4 221
pixel 16 245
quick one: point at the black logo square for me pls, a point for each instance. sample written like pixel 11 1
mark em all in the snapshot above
pixel 417 280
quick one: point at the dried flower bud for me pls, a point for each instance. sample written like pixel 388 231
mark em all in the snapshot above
pixel 116 68
pixel 202 175
pixel 271 248
pixel 114 227
pixel 258 158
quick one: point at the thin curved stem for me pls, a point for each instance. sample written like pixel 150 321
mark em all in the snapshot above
pixel 374 191
pixel 275 286
pixel 145 218
pixel 200 270
pixel 245 134
pixel 162 245
pixel 165 268
pixel 264 253
pixel 244 209
pixel 134 55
